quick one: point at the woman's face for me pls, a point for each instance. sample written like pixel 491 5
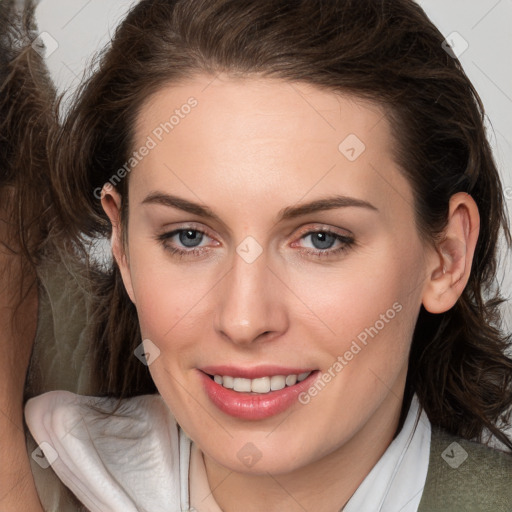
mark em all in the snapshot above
pixel 270 234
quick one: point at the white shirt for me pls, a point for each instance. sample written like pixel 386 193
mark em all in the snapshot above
pixel 140 460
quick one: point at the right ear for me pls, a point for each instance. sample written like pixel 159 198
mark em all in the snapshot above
pixel 111 203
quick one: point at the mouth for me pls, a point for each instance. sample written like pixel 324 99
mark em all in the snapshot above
pixel 255 394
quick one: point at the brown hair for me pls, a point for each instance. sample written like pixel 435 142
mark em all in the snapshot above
pixel 387 51
pixel 26 121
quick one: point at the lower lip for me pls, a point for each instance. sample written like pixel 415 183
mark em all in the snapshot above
pixel 254 407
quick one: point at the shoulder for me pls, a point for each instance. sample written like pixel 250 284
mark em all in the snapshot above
pixel 465 475
pixel 62 347
pixel 102 449
pixel 55 409
pixel 65 418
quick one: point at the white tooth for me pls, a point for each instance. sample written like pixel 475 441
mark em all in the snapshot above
pixel 291 380
pixel 240 384
pixel 302 376
pixel 227 382
pixel 261 385
pixel 277 382
pixel 217 379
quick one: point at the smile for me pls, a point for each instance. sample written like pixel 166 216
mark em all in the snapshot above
pixel 255 394
pixel 260 385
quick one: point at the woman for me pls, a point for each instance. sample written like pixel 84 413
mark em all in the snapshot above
pixel 303 211
pixel 43 313
pixel 25 92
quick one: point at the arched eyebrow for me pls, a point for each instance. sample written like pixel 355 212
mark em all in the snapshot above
pixel 288 213
pixel 326 203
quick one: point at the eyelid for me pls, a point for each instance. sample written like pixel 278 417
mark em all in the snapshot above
pixel 345 242
pixel 317 227
pixel 169 232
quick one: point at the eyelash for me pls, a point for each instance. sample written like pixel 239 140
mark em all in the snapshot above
pixel 346 241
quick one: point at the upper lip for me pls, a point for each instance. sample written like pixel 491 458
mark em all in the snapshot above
pixel 254 372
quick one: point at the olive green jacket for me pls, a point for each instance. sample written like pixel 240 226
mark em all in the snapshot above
pixel 463 476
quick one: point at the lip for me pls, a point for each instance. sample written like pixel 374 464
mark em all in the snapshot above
pixel 253 407
pixel 253 373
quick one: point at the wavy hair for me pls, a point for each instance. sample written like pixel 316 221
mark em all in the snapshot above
pixel 387 51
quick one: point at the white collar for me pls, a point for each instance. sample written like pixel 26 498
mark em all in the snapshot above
pixel 129 462
pixel 396 482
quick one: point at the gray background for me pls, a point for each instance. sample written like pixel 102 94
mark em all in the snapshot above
pixel 81 27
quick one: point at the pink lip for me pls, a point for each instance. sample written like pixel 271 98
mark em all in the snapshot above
pixel 253 373
pixel 252 406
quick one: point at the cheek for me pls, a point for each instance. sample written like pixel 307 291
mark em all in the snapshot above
pixel 373 296
pixel 168 299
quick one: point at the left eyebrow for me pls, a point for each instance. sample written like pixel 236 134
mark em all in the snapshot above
pixel 327 203
pixel 291 212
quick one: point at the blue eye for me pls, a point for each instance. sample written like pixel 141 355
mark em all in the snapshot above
pixel 187 237
pixel 322 242
pixel 190 237
pixel 187 242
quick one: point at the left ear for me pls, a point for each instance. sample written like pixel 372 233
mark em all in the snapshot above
pixel 449 271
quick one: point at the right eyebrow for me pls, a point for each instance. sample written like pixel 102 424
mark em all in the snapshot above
pixel 181 204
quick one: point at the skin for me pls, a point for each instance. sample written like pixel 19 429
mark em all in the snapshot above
pixel 250 148
pixel 17 488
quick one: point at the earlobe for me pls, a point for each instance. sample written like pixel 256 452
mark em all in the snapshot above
pixel 111 203
pixel 451 264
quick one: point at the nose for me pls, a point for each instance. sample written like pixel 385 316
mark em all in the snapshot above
pixel 251 303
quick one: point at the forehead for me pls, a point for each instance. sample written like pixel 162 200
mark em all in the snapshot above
pixel 253 138
pixel 267 108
